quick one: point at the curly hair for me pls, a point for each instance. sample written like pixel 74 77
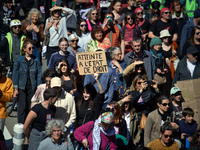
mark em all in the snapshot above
pixel 34 11
pixel 53 124
pixel 96 29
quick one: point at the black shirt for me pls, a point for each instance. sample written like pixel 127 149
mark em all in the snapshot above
pixel 126 10
pixel 43 116
pixel 159 25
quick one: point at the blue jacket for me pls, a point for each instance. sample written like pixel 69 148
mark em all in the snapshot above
pixel 107 83
pixel 119 77
pixel 20 72
pixel 186 31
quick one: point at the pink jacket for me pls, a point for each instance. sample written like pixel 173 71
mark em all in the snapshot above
pixel 81 133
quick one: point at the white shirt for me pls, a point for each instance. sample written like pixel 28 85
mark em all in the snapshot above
pixel 191 67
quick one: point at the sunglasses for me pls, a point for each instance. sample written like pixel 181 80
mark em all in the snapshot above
pixel 139 83
pixel 138 66
pixel 139 13
pixel 129 18
pixel 196 54
pixel 109 17
pixel 83 25
pixel 74 40
pixel 118 54
pixel 30 48
pixel 197 33
pixel 94 13
pixel 167 12
pixel 166 136
pixel 15 27
pixel 166 104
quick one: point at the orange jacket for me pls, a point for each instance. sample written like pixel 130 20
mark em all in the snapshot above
pixel 6 87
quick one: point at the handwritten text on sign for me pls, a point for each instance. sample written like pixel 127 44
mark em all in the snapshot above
pixel 91 62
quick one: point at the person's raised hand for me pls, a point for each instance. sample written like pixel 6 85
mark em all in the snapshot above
pixel 96 75
pixel 127 98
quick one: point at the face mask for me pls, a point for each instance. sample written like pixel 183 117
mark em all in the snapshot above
pixel 63 15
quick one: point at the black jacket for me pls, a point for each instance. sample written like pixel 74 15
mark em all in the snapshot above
pixel 182 72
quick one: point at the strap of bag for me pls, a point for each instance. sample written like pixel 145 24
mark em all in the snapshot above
pixel 66 141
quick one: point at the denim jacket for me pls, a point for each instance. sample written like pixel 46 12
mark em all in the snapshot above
pixel 20 72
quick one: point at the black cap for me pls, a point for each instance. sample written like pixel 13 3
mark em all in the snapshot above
pixel 192 50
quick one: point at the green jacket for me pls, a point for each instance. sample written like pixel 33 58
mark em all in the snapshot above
pixel 134 126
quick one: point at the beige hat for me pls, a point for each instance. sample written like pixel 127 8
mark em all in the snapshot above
pixel 138 62
pixel 164 33
pixel 55 82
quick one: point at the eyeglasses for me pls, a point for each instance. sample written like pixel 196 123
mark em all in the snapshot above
pixel 83 25
pixel 166 104
pixel 94 14
pixel 129 18
pixel 109 17
pixel 166 136
pixel 30 48
pixel 197 33
pixel 139 13
pixel 177 94
pixel 15 27
pixel 118 54
pixel 167 12
pixel 57 11
pixel 74 41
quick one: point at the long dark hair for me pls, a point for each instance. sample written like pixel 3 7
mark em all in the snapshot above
pixel 131 15
pixel 68 67
pixel 191 39
pixel 117 113
pixel 78 30
pixel 90 89
pixel 113 4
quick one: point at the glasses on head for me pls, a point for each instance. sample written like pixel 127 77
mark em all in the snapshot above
pixel 167 12
pixel 166 104
pixel 139 13
pixel 83 25
pixel 197 33
pixel 129 18
pixel 166 136
pixel 94 14
pixel 30 48
pixel 109 17
pixel 15 27
pixel 74 41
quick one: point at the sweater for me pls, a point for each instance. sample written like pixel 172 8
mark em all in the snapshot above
pixel 81 133
pixel 65 109
pixel 83 40
pixel 6 86
pixel 157 145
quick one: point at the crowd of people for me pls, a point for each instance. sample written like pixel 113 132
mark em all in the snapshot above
pixel 150 45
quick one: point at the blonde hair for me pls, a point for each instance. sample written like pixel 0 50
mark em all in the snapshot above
pixel 34 11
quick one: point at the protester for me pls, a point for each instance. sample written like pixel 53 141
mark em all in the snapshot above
pixel 33 28
pixel 154 13
pixel 98 134
pixel 83 33
pixel 93 18
pixel 27 73
pixel 166 141
pixel 6 92
pixel 38 117
pixel 115 7
pixel 90 103
pixel 56 140
pixel 130 8
pixel 98 41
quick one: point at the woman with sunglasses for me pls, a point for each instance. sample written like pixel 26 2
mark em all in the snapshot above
pixel 142 23
pixel 143 98
pixel 56 28
pixel 46 76
pixel 73 47
pixel 129 31
pixel 33 28
pixel 93 18
pixel 27 72
pixel 117 67
pixel 98 41
pixel 83 33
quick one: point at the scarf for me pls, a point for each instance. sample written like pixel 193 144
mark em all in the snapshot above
pixel 96 134
pixel 165 115
pixel 140 22
pixel 157 55
pixel 128 27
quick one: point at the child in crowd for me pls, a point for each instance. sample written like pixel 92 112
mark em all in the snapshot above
pixel 187 126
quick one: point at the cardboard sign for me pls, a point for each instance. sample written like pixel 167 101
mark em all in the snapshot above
pixel 191 95
pixel 91 62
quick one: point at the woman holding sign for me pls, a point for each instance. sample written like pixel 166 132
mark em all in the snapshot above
pixel 98 41
pixel 90 104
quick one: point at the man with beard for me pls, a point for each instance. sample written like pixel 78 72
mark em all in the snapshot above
pixel 166 141
pixel 189 67
pixel 113 32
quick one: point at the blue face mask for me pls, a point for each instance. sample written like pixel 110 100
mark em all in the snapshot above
pixel 63 15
